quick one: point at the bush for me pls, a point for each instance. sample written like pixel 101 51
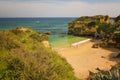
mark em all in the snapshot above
pixel 113 74
pixel 31 60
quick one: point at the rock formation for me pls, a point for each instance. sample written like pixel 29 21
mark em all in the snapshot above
pixel 98 27
pixel 87 26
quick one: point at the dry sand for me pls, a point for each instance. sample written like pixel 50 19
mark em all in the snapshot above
pixel 84 58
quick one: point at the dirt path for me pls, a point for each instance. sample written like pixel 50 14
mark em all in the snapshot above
pixel 84 58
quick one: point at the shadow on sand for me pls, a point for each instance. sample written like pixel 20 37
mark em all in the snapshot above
pixel 115 52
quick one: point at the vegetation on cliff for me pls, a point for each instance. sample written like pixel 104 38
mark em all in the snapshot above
pixel 97 27
pixel 87 26
pixel 24 57
pixel 113 74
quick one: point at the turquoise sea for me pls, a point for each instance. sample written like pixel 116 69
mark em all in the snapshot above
pixel 58 26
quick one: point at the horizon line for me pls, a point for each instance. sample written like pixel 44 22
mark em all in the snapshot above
pixel 39 17
pixel 58 17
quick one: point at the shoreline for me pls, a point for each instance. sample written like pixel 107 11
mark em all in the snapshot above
pixel 80 42
pixel 84 58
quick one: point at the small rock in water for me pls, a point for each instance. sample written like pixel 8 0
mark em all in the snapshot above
pixel 48 33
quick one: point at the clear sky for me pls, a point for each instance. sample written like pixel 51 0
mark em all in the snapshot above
pixel 58 8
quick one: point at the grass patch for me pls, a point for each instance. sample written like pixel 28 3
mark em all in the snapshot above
pixel 23 57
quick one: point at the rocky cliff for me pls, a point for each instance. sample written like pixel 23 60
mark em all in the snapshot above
pixel 117 18
pixel 87 26
pixel 97 27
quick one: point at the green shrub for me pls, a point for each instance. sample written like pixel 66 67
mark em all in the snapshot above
pixel 36 37
pixel 23 57
pixel 113 74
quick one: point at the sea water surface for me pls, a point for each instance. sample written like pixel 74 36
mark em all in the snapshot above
pixel 58 27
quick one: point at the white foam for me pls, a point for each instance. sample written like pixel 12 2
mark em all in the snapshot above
pixel 80 42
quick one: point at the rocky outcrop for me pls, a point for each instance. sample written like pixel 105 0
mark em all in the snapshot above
pixel 87 26
pixel 117 18
pixel 98 27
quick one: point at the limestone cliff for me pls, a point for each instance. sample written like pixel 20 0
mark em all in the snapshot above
pixel 117 18
pixel 86 25
pixel 97 27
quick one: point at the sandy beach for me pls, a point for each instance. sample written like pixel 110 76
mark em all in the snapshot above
pixel 83 58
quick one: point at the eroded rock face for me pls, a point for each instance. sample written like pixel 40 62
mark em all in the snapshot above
pixel 107 19
pixel 87 26
pixel 98 27
pixel 117 18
